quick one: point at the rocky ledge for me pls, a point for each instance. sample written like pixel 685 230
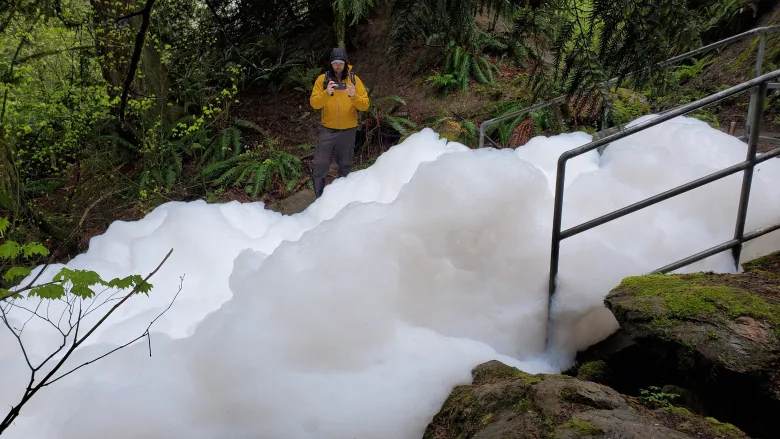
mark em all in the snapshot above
pixel 505 403
pixel 696 356
pixel 709 342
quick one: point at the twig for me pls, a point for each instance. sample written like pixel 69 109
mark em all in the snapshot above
pixel 145 334
pixel 102 197
pixel 32 390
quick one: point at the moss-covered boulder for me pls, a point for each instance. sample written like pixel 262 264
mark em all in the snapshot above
pixel 505 403
pixel 715 336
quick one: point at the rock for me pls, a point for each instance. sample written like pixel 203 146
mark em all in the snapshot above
pixel 596 371
pixel 715 337
pixel 505 403
pixel 295 203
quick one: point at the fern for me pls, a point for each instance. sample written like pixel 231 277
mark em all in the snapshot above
pixel 256 172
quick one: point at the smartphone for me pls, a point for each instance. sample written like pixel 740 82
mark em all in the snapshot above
pixel 341 86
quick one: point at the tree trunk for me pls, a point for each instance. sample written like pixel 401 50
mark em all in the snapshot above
pixel 340 28
pixel 9 180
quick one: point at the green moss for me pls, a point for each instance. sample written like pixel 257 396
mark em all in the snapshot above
pixel 679 411
pixel 500 371
pixel 697 296
pixel 567 393
pixel 487 418
pixel 523 406
pixel 460 397
pixel 593 371
pixel 769 262
pixel 686 421
pixel 582 427
pixel 723 428
pixel 497 372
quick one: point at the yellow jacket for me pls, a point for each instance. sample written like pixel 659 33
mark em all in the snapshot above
pixel 339 111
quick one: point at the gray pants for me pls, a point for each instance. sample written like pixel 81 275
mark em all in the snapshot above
pixel 343 141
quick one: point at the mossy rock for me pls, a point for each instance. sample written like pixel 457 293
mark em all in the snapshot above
pixel 293 204
pixel 717 335
pixel 596 371
pixel 505 403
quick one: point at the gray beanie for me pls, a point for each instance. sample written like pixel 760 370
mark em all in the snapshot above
pixel 338 54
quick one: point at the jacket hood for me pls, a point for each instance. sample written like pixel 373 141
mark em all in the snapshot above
pixel 338 53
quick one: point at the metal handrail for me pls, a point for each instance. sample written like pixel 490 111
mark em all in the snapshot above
pixel 761 31
pixel 757 104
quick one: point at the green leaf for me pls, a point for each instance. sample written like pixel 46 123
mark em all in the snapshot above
pixel 34 248
pixel 82 291
pixel 79 277
pixel 50 291
pixel 145 288
pixel 4 293
pixel 121 283
pixel 4 223
pixel 15 272
pixel 10 250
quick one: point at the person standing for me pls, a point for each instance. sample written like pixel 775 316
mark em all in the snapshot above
pixel 339 94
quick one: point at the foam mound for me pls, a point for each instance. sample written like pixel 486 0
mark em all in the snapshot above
pixel 356 317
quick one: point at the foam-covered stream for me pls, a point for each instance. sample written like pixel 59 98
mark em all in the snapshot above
pixel 356 317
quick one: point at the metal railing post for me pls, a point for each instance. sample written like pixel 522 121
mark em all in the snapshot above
pixel 762 84
pixel 560 179
pixel 747 176
pixel 759 68
pixel 556 231
pixel 604 113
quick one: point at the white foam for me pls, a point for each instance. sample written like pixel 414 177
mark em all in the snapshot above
pixel 356 317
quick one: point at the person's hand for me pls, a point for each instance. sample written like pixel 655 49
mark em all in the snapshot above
pixel 330 88
pixel 350 90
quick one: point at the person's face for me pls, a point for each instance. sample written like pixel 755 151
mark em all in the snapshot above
pixel 338 66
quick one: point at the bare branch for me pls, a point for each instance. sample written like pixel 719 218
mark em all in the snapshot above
pixel 102 197
pixel 32 314
pixel 51 52
pixel 107 301
pixel 78 324
pixel 33 389
pixel 35 314
pixel 111 311
pixel 164 311
pixel 145 334
pixel 18 338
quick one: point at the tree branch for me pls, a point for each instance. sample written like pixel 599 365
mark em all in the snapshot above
pixel 50 52
pixel 129 16
pixel 139 45
pixel 33 389
pixel 145 334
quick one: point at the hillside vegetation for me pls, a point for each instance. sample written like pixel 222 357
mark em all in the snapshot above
pixel 112 107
